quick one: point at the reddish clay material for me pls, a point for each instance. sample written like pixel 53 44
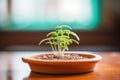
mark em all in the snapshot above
pixel 62 66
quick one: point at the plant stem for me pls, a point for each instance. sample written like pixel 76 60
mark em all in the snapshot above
pixel 60 53
pixel 53 48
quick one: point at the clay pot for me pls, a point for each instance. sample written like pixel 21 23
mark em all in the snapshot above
pixel 62 66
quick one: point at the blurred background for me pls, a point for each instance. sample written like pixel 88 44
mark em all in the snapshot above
pixel 23 23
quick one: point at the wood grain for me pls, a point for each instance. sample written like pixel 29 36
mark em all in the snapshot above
pixel 12 68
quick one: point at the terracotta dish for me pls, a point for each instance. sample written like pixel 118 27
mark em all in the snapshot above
pixel 62 66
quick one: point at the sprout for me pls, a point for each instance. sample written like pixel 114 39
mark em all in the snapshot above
pixel 60 39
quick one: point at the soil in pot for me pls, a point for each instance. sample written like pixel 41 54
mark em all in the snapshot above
pixel 66 57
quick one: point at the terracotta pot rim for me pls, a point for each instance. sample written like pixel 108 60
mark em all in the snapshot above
pixel 29 59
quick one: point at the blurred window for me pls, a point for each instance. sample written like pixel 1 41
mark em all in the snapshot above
pixel 3 12
pixel 33 15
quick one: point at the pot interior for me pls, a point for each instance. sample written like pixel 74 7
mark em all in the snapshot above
pixel 85 56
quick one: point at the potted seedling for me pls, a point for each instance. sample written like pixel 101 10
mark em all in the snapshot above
pixel 60 60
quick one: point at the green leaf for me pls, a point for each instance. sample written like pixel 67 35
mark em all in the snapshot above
pixel 75 41
pixel 74 34
pixel 52 34
pixel 43 41
pixel 60 32
pixel 70 41
pixel 49 43
pixel 66 27
pixel 66 48
pixel 58 28
pixel 54 43
pixel 66 31
pixel 62 27
pixel 64 36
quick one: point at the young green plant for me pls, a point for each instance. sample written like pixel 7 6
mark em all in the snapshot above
pixel 60 39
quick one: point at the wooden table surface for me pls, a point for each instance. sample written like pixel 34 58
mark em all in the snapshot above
pixel 12 68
